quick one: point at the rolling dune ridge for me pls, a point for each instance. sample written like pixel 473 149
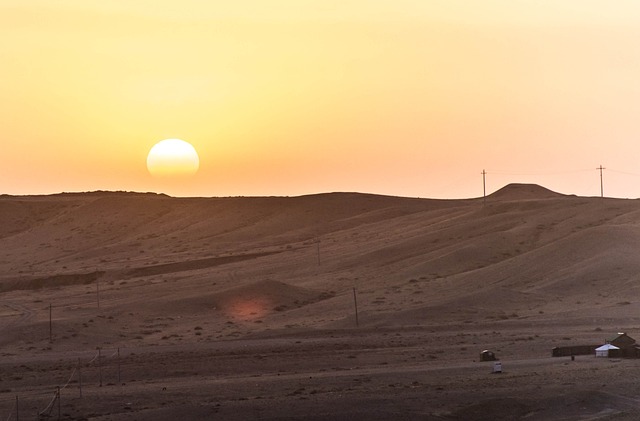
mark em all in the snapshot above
pixel 245 307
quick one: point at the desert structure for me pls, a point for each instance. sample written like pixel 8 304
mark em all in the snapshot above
pixel 133 306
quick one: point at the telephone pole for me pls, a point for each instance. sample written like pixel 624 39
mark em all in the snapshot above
pixel 100 364
pixel 484 187
pixel 355 304
pixel 601 185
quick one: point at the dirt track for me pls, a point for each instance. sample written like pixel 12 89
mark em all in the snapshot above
pixel 362 376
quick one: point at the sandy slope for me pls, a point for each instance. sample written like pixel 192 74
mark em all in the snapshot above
pixel 253 287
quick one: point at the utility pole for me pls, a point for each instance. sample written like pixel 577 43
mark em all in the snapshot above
pixel 100 365
pixel 50 326
pixel 484 188
pixel 318 248
pixel 80 376
pixel 98 290
pixel 355 303
pixel 601 185
pixel 119 377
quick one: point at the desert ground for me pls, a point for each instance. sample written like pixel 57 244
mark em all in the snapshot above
pixel 339 306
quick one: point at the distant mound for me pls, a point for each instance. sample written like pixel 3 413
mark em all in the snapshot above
pixel 520 191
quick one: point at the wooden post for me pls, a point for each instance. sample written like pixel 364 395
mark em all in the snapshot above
pixel 119 378
pixel 50 326
pixel 17 409
pixel 318 247
pixel 98 290
pixel 80 376
pixel 601 184
pixel 484 188
pixel 58 403
pixel 355 303
pixel 100 365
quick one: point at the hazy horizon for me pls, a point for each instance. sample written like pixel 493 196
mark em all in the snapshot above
pixel 516 188
pixel 405 98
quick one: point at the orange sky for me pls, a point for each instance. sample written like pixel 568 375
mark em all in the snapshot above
pixel 289 97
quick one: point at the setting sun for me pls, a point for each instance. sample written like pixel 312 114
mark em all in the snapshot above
pixel 172 157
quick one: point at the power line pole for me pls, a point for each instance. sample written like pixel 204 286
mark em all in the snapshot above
pixel 119 377
pixel 100 365
pixel 484 187
pixel 80 376
pixel 601 185
pixel 355 304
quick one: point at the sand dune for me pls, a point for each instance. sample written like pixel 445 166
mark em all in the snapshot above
pixel 416 253
pixel 518 191
pixel 523 271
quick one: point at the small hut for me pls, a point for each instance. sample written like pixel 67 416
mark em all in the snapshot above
pixel 622 340
pixel 604 350
pixel 487 355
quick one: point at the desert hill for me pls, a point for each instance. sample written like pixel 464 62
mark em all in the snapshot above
pixel 519 191
pixel 190 286
pixel 526 251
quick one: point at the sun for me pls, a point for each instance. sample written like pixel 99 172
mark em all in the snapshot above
pixel 172 157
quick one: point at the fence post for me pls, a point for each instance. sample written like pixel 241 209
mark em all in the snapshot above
pixel 100 365
pixel 119 377
pixel 80 376
pixel 50 326
pixel 355 303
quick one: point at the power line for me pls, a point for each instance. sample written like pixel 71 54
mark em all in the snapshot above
pixel 623 172
pixel 501 172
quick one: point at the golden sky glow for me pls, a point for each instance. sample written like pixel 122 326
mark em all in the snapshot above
pixel 288 97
